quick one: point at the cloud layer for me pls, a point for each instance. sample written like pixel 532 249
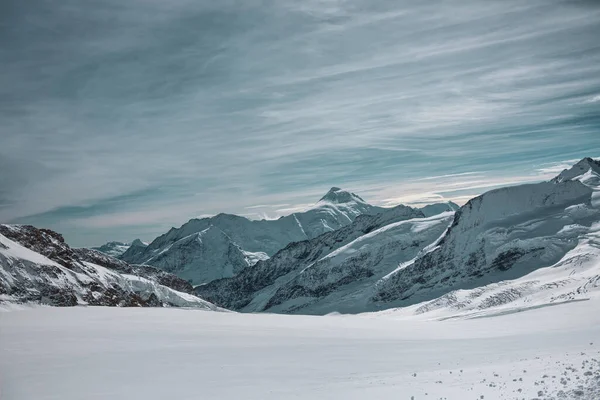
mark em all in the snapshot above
pixel 122 118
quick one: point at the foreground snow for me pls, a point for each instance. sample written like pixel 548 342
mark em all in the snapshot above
pixel 113 353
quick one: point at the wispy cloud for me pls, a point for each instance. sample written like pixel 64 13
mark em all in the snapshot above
pixel 594 99
pixel 123 118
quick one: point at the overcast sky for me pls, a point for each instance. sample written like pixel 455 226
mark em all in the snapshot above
pixel 122 118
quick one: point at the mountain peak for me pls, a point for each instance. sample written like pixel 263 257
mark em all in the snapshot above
pixel 584 165
pixel 139 243
pixel 338 196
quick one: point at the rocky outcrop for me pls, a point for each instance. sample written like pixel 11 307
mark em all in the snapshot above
pixel 37 266
pixel 145 271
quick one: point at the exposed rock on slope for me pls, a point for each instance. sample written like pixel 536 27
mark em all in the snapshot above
pixel 584 169
pixel 344 279
pixel 37 266
pixel 146 271
pixel 253 288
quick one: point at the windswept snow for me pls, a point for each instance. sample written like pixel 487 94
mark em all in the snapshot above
pixel 114 353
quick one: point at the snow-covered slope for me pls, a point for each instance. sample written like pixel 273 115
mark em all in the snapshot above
pixel 36 266
pixel 113 249
pixel 209 248
pixel 586 170
pixel 438 208
pixel 205 256
pixel 302 269
pixel 155 274
pixel 551 353
pixel 344 280
pixel 530 244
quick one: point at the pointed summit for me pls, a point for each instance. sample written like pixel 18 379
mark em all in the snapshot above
pixel 339 196
pixel 577 170
pixel 138 243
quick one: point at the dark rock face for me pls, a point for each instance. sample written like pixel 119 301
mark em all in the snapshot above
pixel 45 242
pixel 237 292
pixel 323 277
pixel 294 291
pixel 74 281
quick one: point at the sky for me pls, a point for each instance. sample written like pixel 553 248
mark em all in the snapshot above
pixel 122 118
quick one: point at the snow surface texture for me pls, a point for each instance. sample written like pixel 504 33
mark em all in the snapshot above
pixel 123 353
pixel 69 278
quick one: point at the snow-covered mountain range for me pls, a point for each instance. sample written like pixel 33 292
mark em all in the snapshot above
pixel 37 266
pixel 203 250
pixel 508 245
pixel 520 246
pixel 257 288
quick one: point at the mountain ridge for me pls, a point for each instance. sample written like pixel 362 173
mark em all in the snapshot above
pixel 486 241
pixel 251 240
